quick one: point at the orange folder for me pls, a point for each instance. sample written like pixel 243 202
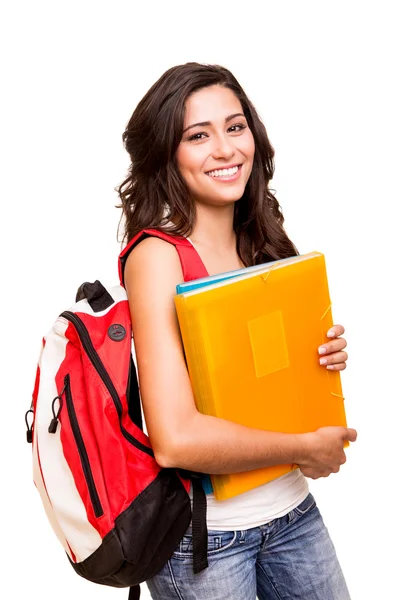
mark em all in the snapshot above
pixel 251 348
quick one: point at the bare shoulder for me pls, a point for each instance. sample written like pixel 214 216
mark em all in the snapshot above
pixel 153 262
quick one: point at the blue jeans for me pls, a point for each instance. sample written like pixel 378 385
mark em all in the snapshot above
pixel 290 558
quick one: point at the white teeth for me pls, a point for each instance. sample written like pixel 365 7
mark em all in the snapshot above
pixel 223 172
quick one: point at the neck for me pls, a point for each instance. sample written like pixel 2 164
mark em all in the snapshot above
pixel 214 228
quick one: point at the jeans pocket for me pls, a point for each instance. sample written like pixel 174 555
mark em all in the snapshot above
pixel 306 506
pixel 217 541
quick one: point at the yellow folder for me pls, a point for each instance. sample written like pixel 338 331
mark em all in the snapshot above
pixel 251 348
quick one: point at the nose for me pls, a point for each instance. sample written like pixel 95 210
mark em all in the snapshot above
pixel 223 147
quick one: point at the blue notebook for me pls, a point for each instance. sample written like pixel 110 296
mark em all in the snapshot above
pixel 188 286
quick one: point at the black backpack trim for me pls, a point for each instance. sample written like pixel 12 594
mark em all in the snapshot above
pixel 139 546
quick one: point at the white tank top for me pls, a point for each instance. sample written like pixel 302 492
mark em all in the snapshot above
pixel 258 506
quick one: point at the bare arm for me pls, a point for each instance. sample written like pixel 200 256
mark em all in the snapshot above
pixel 180 435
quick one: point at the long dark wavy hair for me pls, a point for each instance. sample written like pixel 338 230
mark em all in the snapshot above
pixel 154 194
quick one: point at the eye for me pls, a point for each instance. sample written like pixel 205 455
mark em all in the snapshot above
pixel 236 128
pixel 196 136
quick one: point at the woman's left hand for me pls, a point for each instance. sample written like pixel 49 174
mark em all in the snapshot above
pixel 332 355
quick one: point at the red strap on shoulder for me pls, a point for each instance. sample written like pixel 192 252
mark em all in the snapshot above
pixel 192 265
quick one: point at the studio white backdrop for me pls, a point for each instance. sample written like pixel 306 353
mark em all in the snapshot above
pixel 323 77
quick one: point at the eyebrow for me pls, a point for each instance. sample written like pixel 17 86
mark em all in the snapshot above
pixel 208 123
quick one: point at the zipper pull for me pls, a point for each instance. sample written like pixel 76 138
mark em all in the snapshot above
pixel 29 428
pixel 54 422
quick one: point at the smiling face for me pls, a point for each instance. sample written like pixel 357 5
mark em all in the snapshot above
pixel 215 155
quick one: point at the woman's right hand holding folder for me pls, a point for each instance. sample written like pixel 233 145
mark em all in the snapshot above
pixel 323 450
pixel 180 435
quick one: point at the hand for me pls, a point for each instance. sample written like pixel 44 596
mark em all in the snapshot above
pixel 332 355
pixel 323 451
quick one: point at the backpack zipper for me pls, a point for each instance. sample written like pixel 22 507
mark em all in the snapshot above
pixel 87 471
pixel 102 371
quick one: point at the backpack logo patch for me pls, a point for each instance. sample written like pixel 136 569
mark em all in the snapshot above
pixel 116 332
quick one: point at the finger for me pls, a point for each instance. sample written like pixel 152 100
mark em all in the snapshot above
pixel 334 346
pixel 337 367
pixel 351 434
pixel 333 359
pixel 335 330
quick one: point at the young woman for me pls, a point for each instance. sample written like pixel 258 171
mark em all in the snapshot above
pixel 201 165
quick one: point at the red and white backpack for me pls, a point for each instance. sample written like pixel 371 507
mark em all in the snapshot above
pixel 118 515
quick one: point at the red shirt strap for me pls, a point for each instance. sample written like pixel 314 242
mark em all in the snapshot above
pixel 192 265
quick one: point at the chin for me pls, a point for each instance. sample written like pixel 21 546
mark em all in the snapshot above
pixel 234 196
pixel 224 196
pixel 222 201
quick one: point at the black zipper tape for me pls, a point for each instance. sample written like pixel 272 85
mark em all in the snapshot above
pixel 87 471
pixel 103 374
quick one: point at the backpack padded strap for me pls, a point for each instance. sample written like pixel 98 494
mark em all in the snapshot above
pixel 192 268
pixel 192 265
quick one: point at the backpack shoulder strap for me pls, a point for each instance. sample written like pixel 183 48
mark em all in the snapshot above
pixel 192 265
pixel 192 268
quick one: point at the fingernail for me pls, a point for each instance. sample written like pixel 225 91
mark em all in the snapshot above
pixel 331 367
pixel 323 361
pixel 321 350
pixel 331 333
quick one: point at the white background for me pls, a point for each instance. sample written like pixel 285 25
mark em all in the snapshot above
pixel 323 76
